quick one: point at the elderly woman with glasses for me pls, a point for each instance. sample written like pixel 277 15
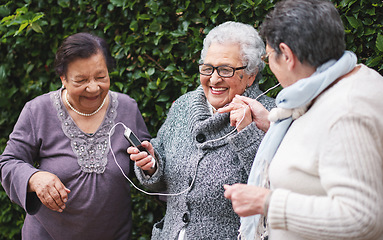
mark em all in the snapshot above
pixel 326 143
pixel 198 150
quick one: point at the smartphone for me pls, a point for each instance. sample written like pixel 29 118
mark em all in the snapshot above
pixel 134 141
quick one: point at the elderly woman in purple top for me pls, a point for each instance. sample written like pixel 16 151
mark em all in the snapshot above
pixel 58 165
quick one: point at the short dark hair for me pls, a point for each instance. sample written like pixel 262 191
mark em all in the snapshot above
pixel 312 29
pixel 81 45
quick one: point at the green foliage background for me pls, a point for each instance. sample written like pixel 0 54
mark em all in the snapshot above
pixel 156 44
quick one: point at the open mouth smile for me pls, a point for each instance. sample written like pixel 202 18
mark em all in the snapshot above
pixel 218 90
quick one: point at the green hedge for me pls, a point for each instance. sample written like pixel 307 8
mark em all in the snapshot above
pixel 156 44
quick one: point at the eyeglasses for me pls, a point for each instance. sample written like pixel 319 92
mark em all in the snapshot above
pixel 223 71
pixel 265 57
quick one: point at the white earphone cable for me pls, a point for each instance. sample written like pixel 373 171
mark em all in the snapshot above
pixel 131 182
pixel 195 172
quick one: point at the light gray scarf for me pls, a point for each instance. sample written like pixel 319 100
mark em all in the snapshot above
pixel 290 101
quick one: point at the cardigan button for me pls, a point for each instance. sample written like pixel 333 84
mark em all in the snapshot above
pixel 200 138
pixel 186 218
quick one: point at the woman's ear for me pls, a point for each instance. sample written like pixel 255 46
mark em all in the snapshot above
pixel 63 81
pixel 288 56
pixel 251 78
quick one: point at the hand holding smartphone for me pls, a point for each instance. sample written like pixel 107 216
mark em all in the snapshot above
pixel 135 142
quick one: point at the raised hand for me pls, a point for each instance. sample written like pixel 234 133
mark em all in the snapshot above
pixel 240 114
pixel 258 112
pixel 142 159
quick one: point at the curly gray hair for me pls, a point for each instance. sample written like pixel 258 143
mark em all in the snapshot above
pixel 251 45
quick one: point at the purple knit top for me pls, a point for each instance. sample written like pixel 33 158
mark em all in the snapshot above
pixel 46 138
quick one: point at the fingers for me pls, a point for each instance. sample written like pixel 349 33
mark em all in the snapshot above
pixel 240 114
pixel 225 109
pixel 244 99
pixel 241 117
pixel 49 189
pixel 55 197
pixel 145 163
pixel 246 200
pixel 236 116
pixel 52 198
pixel 234 194
pixel 133 150
pixel 246 120
pixel 234 105
pixel 148 146
pixel 228 191
pixel 231 189
pixel 142 159
pixel 62 198
pixel 258 112
pixel 255 106
pixel 136 155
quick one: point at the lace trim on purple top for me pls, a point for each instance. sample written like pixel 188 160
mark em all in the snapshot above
pixel 91 149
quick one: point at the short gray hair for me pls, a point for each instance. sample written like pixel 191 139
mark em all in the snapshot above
pixel 251 45
pixel 312 29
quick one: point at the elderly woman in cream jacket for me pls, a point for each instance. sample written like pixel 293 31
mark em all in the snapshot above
pixel 326 142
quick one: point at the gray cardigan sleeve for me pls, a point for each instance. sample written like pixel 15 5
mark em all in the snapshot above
pixel 155 182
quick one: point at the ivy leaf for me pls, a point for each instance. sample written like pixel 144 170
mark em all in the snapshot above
pixel 37 17
pixel 155 27
pixel 118 3
pixel 163 98
pixel 170 68
pixel 143 17
pixel 133 26
pixel 379 42
pixel 159 109
pixel 119 85
pixel 36 27
pixel 372 62
pixel 151 71
pixel 63 3
pixel 353 21
pixel 21 28
pixel 152 85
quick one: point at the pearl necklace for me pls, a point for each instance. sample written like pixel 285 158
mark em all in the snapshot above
pixel 80 113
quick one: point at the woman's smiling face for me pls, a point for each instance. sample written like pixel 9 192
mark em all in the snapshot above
pixel 87 82
pixel 218 90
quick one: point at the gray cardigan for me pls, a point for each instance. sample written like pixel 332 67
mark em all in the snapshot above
pixel 191 150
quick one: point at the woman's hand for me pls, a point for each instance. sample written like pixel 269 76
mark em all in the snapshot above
pixel 142 159
pixel 258 112
pixel 49 189
pixel 246 199
pixel 240 114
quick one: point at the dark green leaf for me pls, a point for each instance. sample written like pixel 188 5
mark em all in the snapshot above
pixel 353 21
pixel 379 42
pixel 36 27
